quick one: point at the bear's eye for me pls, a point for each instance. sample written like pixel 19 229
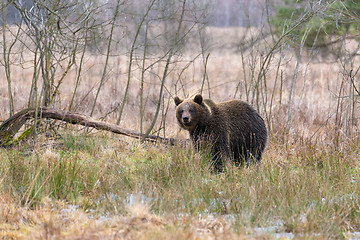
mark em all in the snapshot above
pixel 191 110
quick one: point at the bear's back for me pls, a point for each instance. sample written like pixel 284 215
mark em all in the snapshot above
pixel 233 111
pixel 235 116
pixel 240 112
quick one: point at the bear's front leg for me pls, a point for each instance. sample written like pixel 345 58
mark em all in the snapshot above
pixel 220 155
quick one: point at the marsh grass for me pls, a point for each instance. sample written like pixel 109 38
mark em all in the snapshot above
pixel 305 188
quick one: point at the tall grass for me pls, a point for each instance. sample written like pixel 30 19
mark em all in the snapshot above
pixel 304 187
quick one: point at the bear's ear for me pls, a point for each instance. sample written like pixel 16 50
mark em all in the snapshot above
pixel 177 100
pixel 198 99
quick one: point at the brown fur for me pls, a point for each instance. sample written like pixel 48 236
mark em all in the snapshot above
pixel 231 130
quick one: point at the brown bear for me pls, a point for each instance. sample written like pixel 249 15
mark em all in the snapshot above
pixel 230 130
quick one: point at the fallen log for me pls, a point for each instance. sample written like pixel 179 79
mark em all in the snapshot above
pixel 12 125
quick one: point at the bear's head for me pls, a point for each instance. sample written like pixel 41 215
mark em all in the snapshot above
pixel 190 112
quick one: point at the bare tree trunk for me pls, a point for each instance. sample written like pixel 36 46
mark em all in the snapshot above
pixel 131 60
pixel 107 56
pixel 6 53
pixel 141 108
pixel 292 92
pixel 172 51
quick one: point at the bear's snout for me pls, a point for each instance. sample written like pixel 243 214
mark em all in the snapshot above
pixel 186 119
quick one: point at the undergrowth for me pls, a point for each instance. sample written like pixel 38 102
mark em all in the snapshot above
pixel 307 188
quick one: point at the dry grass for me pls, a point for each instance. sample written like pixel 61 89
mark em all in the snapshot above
pixel 64 222
pixel 94 187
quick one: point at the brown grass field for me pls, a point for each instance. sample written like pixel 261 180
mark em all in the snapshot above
pixel 69 183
